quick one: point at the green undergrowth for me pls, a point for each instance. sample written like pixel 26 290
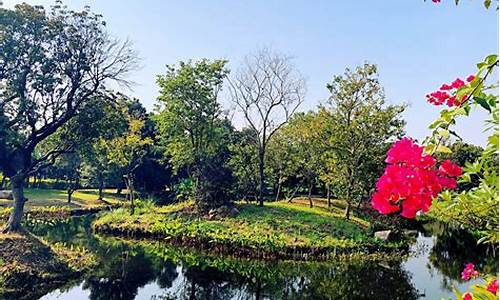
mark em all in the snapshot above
pixel 278 230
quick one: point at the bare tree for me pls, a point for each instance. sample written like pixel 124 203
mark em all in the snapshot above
pixel 267 90
pixel 52 64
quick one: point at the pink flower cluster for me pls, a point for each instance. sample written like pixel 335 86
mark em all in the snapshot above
pixel 444 94
pixel 469 272
pixel 411 180
pixel 493 287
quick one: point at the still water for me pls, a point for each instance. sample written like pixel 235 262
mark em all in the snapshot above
pixel 151 270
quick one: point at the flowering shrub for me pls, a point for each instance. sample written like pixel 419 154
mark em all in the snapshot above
pixel 411 180
pixel 487 289
pixel 445 93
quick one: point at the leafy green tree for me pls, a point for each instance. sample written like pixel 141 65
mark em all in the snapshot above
pixel 300 136
pixel 53 63
pixel 128 151
pixel 192 128
pixel 359 126
pixel 243 162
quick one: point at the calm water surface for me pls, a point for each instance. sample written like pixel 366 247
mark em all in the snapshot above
pixel 142 270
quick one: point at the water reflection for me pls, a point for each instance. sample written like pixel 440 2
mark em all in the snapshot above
pixel 151 270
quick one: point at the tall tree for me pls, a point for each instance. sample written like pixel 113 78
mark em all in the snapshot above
pixel 267 90
pixel 52 63
pixel 192 127
pixel 301 137
pixel 359 126
pixel 128 151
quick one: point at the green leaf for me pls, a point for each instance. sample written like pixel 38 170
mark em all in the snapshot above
pixel 491 59
pixel 443 149
pixel 483 103
pixel 444 133
pixel 487 3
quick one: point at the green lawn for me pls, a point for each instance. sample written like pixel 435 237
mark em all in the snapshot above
pixel 279 228
pixel 49 197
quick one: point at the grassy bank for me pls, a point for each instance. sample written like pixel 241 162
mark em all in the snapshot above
pixel 32 265
pixel 53 204
pixel 50 197
pixel 278 230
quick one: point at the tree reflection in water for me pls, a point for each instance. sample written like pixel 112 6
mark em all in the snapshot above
pixel 151 270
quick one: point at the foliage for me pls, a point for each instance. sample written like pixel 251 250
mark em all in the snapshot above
pixel 358 127
pixel 476 208
pixel 298 147
pixel 192 129
pixel 279 230
pixel 53 65
pixel 243 162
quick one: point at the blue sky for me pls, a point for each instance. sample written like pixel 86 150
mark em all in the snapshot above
pixel 417 45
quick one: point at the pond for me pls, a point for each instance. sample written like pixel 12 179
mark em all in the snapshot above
pixel 152 270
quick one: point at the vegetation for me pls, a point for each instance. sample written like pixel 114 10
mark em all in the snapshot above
pixel 280 230
pixel 28 262
pixel 66 138
pixel 54 65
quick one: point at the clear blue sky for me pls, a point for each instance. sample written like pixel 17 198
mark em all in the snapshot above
pixel 417 45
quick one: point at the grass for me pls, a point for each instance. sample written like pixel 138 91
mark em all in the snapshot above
pixel 49 197
pixel 278 230
pixel 45 204
pixel 30 264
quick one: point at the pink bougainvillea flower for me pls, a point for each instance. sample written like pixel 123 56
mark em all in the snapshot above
pixel 467 296
pixel 458 83
pixel 469 272
pixel 471 78
pixel 452 101
pixel 436 1
pixel 411 180
pixel 446 87
pixel 493 287
pixel 450 169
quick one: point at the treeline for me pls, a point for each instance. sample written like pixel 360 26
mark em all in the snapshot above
pixel 59 121
pixel 188 148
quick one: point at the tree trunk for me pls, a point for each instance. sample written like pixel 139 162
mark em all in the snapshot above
pixel 310 195
pixel 17 186
pixel 100 191
pixel 279 190
pixel 348 205
pixel 70 193
pixel 328 196
pixel 118 191
pixel 261 178
pixel 349 192
pixel 130 187
pixel 2 184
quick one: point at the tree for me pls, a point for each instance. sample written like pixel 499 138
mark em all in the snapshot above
pixel 128 151
pixel 51 65
pixel 301 150
pixel 266 90
pixel 192 128
pixel 359 128
pixel 69 165
pixel 243 163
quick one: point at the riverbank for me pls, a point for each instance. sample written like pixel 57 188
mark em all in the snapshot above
pixel 51 204
pixel 33 266
pixel 279 230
